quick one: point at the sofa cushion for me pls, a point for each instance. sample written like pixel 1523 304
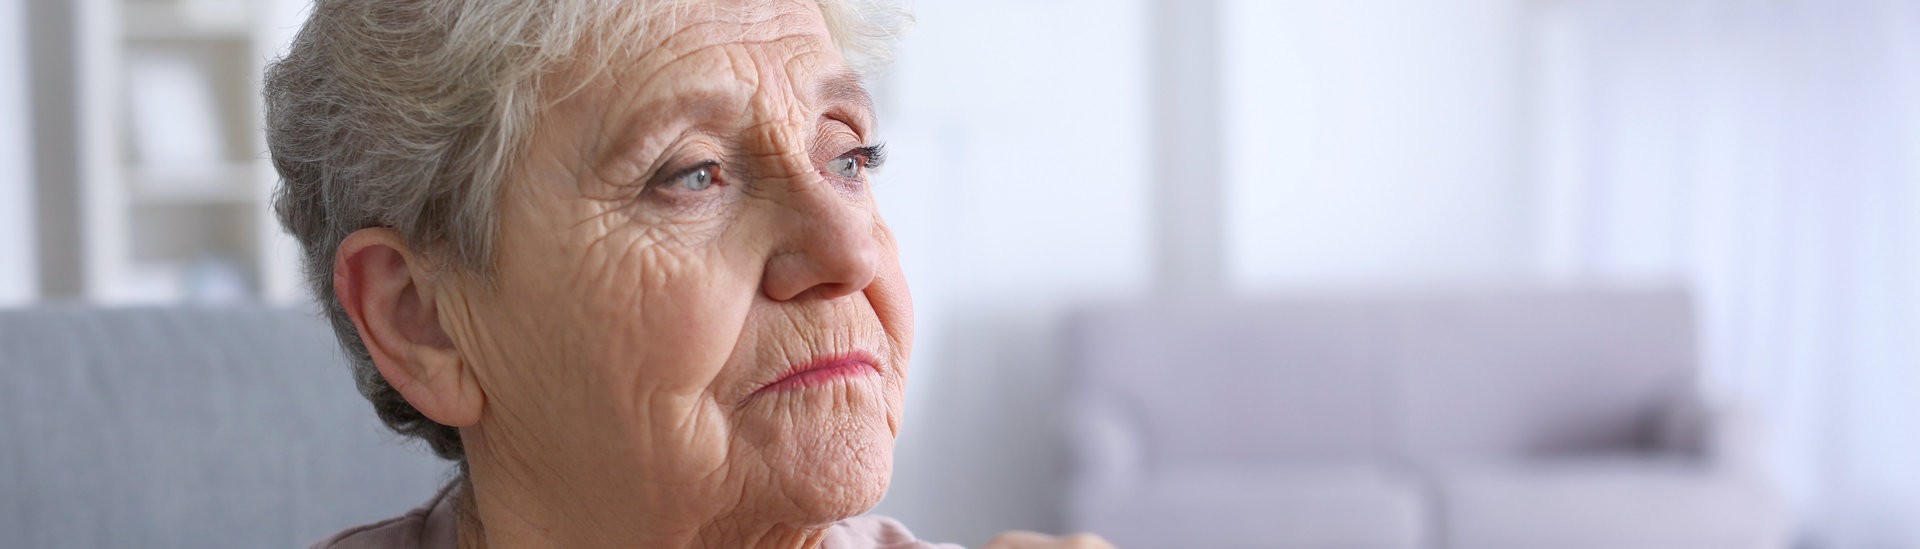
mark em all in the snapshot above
pixel 1238 383
pixel 1348 508
pixel 1606 504
pixel 1519 375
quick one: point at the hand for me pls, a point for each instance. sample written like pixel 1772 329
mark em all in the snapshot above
pixel 1033 540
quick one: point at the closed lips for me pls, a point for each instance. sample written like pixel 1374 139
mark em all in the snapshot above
pixel 821 371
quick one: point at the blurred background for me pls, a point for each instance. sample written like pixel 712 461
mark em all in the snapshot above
pixel 1758 159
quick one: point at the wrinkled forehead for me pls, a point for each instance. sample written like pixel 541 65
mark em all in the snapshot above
pixel 748 61
pixel 764 48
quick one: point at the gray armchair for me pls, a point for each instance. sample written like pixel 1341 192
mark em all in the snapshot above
pixel 189 427
pixel 1474 420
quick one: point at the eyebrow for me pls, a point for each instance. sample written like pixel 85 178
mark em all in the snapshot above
pixel 843 88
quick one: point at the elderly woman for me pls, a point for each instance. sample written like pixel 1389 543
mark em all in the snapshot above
pixel 618 259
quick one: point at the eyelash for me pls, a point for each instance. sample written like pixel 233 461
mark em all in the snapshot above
pixel 876 155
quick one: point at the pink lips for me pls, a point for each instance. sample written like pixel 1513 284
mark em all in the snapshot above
pixel 821 371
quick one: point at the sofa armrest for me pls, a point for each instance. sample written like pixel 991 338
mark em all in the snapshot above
pixel 1106 456
pixel 1727 436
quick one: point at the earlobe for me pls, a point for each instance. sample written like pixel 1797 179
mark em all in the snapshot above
pixel 387 290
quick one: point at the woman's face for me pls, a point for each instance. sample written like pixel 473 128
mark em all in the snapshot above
pixel 686 232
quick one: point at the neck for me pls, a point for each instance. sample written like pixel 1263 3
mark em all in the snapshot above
pixel 504 515
pixel 474 535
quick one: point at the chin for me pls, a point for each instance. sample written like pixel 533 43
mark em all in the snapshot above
pixel 832 457
pixel 835 491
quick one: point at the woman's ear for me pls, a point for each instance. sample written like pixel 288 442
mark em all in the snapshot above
pixel 386 290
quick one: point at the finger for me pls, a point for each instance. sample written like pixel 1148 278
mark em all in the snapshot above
pixel 1020 539
pixel 1085 540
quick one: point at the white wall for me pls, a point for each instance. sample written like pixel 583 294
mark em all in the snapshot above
pixel 1369 141
pixel 1018 184
pixel 18 256
pixel 1373 142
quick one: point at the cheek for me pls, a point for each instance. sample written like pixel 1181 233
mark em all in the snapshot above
pixel 616 311
pixel 663 312
pixel 892 301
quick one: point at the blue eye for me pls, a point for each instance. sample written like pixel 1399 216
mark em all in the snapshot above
pixel 845 166
pixel 857 162
pixel 697 180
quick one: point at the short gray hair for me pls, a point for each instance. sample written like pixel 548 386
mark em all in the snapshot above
pixel 409 114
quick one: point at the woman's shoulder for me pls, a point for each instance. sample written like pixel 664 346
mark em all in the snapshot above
pixel 876 532
pixel 432 525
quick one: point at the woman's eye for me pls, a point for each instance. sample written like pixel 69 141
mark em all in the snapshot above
pixel 697 180
pixel 845 166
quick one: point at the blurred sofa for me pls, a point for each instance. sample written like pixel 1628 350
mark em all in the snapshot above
pixel 189 427
pixel 1550 419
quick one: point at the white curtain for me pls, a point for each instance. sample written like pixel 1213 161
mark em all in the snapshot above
pixel 1767 153
pixel 19 261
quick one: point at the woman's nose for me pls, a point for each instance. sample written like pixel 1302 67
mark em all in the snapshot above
pixel 830 248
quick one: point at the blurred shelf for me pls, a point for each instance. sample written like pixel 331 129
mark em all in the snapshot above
pixel 172 21
pixel 159 220
pixel 220 184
